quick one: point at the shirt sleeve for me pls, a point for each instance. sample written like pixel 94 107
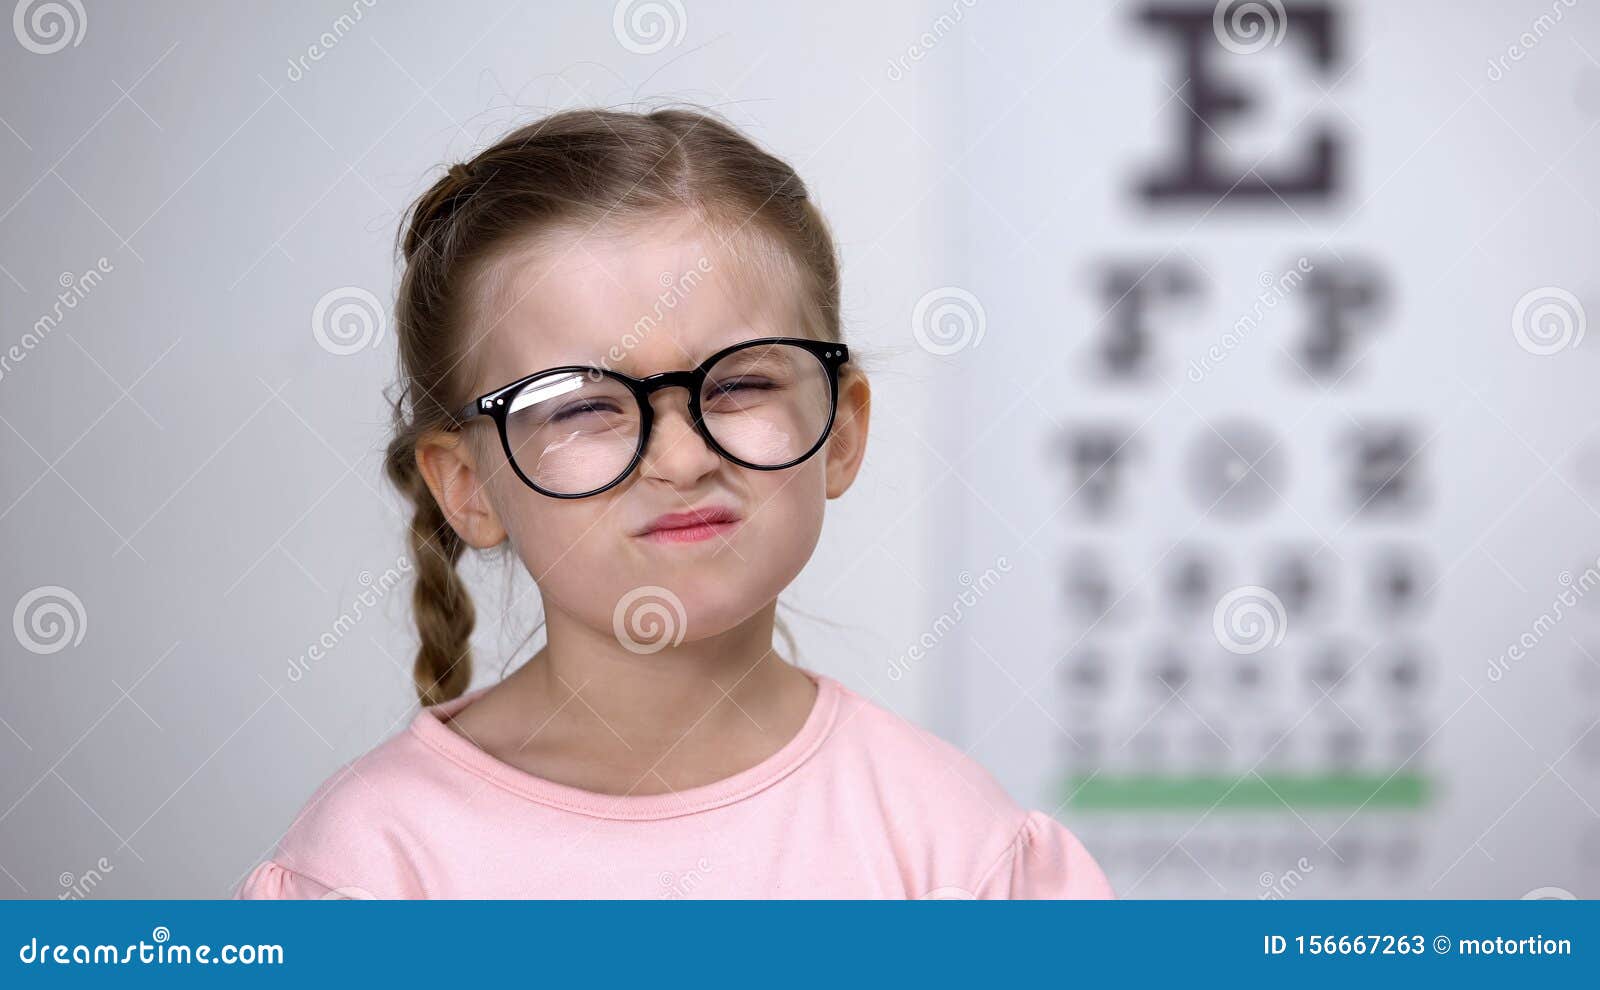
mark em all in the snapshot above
pixel 1044 862
pixel 347 842
pixel 271 880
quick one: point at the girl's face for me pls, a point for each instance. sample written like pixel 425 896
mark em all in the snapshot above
pixel 659 299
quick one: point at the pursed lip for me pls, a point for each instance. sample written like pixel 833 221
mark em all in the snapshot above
pixel 706 516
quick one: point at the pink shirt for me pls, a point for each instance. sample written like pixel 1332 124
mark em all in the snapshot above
pixel 859 804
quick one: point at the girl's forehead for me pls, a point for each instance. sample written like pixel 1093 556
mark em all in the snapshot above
pixel 660 298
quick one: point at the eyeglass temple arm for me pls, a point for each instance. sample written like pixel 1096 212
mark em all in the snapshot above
pixel 477 407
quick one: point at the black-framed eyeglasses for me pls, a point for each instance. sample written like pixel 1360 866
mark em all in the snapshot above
pixel 577 430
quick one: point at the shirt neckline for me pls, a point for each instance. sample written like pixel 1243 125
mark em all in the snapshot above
pixel 429 726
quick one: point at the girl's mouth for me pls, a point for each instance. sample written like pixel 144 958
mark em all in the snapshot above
pixel 692 526
pixel 690 534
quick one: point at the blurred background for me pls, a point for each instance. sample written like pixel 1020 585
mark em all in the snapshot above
pixel 1234 487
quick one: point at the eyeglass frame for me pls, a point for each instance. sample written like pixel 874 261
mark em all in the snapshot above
pixel 492 404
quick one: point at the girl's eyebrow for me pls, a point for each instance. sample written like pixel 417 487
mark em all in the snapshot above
pixel 745 333
pixel 613 355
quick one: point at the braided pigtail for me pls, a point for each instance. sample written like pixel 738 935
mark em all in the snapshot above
pixel 440 602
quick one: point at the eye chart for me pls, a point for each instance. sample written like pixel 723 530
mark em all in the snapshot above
pixel 1278 566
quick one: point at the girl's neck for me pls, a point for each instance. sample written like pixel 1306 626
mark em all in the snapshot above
pixel 657 687
pixel 588 712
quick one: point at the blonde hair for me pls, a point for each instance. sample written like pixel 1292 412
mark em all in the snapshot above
pixel 574 169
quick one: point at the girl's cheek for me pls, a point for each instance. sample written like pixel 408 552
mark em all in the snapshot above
pixel 790 516
pixel 541 535
pixel 565 533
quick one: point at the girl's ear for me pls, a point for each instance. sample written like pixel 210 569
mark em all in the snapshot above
pixel 449 465
pixel 848 443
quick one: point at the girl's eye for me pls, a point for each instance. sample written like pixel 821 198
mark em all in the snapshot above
pixel 577 409
pixel 736 385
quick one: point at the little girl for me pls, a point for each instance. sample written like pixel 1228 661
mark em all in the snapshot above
pixel 621 352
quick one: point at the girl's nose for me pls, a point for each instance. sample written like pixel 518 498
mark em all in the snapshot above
pixel 676 453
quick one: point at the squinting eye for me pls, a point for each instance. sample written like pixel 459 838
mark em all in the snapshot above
pixel 581 409
pixel 741 385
